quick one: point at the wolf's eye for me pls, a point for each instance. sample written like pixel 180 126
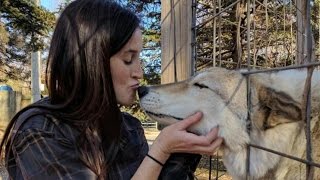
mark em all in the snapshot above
pixel 200 85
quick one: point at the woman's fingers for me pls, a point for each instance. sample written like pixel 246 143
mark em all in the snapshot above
pixel 203 149
pixel 197 149
pixel 199 144
pixel 213 134
pixel 184 124
pixel 175 138
pixel 216 143
pixel 209 150
pixel 202 140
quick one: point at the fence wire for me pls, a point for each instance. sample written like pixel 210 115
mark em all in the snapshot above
pixel 263 55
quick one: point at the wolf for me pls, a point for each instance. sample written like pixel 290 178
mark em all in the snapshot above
pixel 270 103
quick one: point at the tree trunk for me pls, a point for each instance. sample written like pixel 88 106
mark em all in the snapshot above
pixel 236 34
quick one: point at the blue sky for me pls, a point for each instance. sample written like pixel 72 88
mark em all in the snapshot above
pixel 51 5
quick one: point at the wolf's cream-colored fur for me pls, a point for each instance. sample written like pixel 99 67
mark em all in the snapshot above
pixel 276 118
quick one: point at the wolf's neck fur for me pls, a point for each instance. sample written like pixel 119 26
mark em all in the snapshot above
pixel 264 165
pixel 280 139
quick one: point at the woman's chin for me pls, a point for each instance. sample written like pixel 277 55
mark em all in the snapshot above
pixel 127 103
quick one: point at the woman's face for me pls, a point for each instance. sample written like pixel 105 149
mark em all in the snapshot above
pixel 126 69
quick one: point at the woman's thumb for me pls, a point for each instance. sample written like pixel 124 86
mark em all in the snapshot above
pixel 184 124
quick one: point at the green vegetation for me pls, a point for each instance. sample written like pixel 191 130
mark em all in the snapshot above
pixel 24 28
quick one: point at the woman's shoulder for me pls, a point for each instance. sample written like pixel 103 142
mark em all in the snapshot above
pixel 31 118
pixel 41 121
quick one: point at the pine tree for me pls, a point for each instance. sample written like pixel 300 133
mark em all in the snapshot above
pixel 23 28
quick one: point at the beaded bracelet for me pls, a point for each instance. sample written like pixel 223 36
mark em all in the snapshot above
pixel 160 163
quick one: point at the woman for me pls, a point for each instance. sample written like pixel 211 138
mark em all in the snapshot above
pixel 78 132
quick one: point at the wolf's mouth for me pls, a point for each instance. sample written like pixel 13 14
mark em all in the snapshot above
pixel 163 115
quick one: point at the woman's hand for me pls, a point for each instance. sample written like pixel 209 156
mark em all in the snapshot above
pixel 175 138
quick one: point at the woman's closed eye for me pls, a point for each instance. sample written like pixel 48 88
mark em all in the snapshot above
pixel 127 61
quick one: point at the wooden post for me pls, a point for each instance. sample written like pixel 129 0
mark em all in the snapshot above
pixel 176 60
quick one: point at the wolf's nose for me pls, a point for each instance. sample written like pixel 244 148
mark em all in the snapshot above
pixel 142 91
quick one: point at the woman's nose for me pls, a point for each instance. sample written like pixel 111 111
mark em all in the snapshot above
pixel 138 72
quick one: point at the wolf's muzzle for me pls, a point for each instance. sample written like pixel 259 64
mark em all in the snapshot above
pixel 142 91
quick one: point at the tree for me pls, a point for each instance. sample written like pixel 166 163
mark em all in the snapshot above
pixel 149 13
pixel 27 26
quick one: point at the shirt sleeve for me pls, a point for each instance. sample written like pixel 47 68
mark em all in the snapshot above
pixel 38 154
pixel 180 166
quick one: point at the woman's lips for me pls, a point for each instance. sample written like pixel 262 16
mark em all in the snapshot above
pixel 135 87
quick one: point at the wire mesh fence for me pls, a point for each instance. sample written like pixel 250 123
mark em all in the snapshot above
pixel 260 36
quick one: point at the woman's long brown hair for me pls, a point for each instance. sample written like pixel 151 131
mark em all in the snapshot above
pixel 81 93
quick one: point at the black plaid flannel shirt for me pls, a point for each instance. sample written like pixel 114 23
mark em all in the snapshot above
pixel 44 148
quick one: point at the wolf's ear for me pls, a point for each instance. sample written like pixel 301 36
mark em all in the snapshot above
pixel 278 107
